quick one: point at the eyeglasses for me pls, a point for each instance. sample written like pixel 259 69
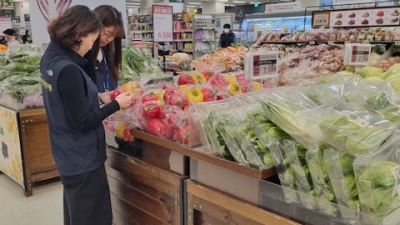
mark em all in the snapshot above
pixel 108 35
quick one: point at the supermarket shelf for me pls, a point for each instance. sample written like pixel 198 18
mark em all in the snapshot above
pixel 326 42
pixel 183 31
pixel 186 40
pixel 205 40
pixel 205 28
pixel 143 31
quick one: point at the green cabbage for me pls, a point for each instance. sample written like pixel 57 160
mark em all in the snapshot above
pixel 394 81
pixel 392 70
pixel 370 71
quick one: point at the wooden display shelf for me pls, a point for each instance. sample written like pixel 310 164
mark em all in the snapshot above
pixel 142 193
pixel 206 206
pixel 38 162
pixel 198 155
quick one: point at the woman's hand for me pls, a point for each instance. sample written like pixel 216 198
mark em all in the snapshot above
pixel 124 100
pixel 105 97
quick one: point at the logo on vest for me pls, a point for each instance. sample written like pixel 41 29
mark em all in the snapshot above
pixel 50 72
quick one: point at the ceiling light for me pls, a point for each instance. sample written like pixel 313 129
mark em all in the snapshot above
pixel 239 2
pixel 133 3
pixel 194 3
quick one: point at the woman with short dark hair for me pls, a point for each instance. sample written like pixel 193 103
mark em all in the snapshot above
pixel 75 117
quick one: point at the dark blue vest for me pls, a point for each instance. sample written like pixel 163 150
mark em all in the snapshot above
pixel 75 152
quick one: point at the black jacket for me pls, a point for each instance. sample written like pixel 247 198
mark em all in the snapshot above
pixel 227 39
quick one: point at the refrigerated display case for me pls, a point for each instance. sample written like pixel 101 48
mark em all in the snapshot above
pixel 294 21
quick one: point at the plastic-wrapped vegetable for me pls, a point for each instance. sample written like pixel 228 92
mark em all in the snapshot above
pixel 377 179
pixel 284 171
pixel 322 183
pixel 348 127
pixel 206 118
pixel 238 134
pixel 281 107
pixel 341 175
pixel 296 155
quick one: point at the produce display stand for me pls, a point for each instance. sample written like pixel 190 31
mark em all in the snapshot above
pixel 211 207
pixel 26 152
pixel 151 190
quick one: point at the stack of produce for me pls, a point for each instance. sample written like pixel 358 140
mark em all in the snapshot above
pixel 223 60
pixel 160 108
pixel 20 79
pixel 356 35
pixel 138 63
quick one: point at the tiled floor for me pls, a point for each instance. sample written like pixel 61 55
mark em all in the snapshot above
pixel 44 207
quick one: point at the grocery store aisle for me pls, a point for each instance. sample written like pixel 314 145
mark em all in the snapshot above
pixel 44 207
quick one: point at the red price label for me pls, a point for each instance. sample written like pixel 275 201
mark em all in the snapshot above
pixel 164 35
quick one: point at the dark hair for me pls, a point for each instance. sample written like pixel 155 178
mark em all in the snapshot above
pixel 110 16
pixel 227 26
pixel 76 22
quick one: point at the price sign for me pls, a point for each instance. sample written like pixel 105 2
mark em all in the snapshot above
pixel 162 23
pixel 357 54
pixel 261 65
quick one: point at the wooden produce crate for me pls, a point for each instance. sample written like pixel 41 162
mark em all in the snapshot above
pixel 206 206
pixel 196 154
pixel 38 160
pixel 142 193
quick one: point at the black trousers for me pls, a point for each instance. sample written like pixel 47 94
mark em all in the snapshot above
pixel 87 199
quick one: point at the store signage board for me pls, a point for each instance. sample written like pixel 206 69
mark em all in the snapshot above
pixel 320 19
pixel 162 23
pixel 283 7
pixel 357 54
pixel 367 17
pixel 10 153
pixel 5 23
pixel 261 65
pixel 39 24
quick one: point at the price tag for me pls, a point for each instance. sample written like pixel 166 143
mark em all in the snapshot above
pixel 312 42
pixel 162 23
pixel 261 65
pixel 331 43
pixel 357 54
pixel 397 43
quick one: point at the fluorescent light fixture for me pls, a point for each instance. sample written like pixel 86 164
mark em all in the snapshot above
pixel 221 0
pixel 229 5
pixel 239 2
pixel 135 3
pixel 194 3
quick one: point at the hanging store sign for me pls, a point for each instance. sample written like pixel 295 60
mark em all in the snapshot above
pixel 321 19
pixel 261 65
pixel 283 7
pixel 162 23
